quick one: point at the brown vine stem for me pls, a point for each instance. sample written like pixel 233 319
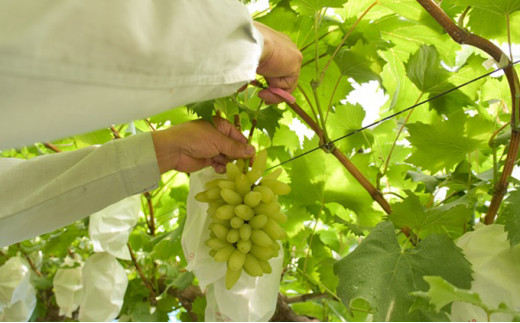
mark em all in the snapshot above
pixel 145 280
pixel 29 260
pixel 462 36
pixel 52 147
pixel 374 192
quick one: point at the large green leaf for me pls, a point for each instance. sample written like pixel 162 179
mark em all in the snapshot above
pixel 384 274
pixel 500 7
pixel 511 218
pixel 313 6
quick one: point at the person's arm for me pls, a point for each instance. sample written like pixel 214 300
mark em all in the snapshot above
pixel 48 192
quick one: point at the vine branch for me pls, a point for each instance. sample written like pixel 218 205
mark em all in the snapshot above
pixel 151 220
pixel 145 280
pixel 462 36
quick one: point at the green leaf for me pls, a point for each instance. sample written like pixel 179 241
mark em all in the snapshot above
pixel 312 6
pixel 360 62
pixel 430 182
pixel 383 274
pixel 424 69
pixel 501 7
pixel 440 145
pixel 203 109
pixel 268 119
pixel 442 293
pixel 511 218
pixel 451 219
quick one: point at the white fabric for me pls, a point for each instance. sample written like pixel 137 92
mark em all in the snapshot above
pixel 71 66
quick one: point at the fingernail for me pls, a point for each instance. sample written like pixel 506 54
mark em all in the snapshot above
pixel 250 150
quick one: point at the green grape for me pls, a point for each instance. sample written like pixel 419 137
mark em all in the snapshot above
pixel 232 171
pixel 253 175
pixel 223 254
pixel 245 231
pixel 227 184
pixel 202 197
pixel 212 252
pixel 258 166
pixel 232 236
pixel 236 222
pixel 240 164
pixel 242 184
pixel 244 246
pixel 274 174
pixel 274 230
pixel 219 230
pixel 278 188
pixel 216 244
pixel 261 238
pixel 232 277
pixel 212 184
pixel 245 212
pixel 225 212
pixel 278 217
pixel 216 203
pixel 252 266
pixel 267 194
pixel 211 211
pixel 261 253
pixel 258 221
pixel 236 260
pixel 213 193
pixel 252 199
pixel 266 267
pixel 268 208
pixel 231 197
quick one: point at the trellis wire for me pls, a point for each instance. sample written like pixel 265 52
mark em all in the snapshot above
pixel 393 115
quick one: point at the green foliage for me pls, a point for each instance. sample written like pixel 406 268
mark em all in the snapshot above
pixel 437 166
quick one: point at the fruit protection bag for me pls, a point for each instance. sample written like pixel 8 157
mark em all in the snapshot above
pixel 251 298
pixel 17 295
pixel 110 228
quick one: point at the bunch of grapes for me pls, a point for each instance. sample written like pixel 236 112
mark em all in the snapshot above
pixel 245 218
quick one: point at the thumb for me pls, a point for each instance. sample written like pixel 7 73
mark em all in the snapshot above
pixel 232 148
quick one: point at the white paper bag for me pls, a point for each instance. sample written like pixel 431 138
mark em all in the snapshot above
pixel 104 287
pixel 110 228
pixel 68 289
pixel 251 298
pixel 14 281
pixel 496 274
pixel 21 311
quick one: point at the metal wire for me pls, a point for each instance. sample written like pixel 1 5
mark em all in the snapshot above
pixel 393 115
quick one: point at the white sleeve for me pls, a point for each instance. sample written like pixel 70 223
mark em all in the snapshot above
pixel 45 193
pixel 72 66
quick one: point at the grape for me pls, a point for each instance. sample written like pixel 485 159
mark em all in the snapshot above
pixel 245 231
pixel 252 199
pixel 258 221
pixel 261 238
pixel 242 184
pixel 231 197
pixel 225 212
pixel 244 246
pixel 232 277
pixel 278 188
pixel 236 260
pixel 245 212
pixel 245 218
pixel 252 266
pixel 223 254
pixel 236 222
pixel 233 236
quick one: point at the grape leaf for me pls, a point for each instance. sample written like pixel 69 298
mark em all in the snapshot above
pixel 312 6
pixel 424 69
pixel 440 145
pixel 360 62
pixel 501 7
pixel 511 218
pixel 430 182
pixel 203 109
pixel 383 274
pixel 268 119
pixel 442 293
pixel 450 218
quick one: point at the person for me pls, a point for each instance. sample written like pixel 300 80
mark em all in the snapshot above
pixel 72 66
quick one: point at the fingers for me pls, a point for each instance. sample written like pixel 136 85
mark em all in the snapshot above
pixel 226 128
pixel 233 149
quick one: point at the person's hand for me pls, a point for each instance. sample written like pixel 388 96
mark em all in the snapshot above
pixel 280 63
pixel 193 145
